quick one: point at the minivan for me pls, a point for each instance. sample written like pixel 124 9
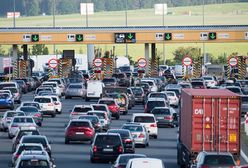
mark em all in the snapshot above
pixel 94 90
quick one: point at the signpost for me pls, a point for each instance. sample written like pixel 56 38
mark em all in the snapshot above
pixel 168 36
pixel 97 62
pixel 212 36
pixel 53 63
pixel 142 62
pixel 187 61
pixel 233 61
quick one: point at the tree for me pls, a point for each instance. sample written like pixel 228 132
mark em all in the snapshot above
pixel 39 49
pixel 181 52
pixel 2 52
pixel 33 8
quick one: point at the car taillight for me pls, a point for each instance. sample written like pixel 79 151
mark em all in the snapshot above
pixel 17 156
pixel 37 115
pixel 113 108
pixel 120 149
pixel 168 118
pixel 128 140
pixel 74 113
pixel 13 125
pixel 50 104
pixel 89 131
pixel 153 125
pixel 95 148
pixel 141 135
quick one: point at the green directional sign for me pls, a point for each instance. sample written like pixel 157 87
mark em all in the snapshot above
pixel 79 37
pixel 168 36
pixel 212 36
pixel 130 38
pixel 35 37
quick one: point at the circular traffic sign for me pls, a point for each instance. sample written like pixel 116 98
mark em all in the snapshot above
pixel 53 63
pixel 187 61
pixel 233 61
pixel 142 62
pixel 97 62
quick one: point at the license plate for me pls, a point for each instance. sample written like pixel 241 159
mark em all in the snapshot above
pixel 79 133
pixel 160 118
pixel 90 93
pixel 108 150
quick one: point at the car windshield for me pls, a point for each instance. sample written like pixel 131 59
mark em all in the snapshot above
pixel 161 111
pixel 108 140
pixel 218 160
pixel 152 104
pixel 42 100
pixel 144 119
pixel 81 110
pixel 133 128
pixel 79 124
pixel 34 163
pixel 34 140
pixel 29 109
pixel 75 87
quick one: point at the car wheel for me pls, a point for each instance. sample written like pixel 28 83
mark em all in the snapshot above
pixel 67 141
pixel 19 101
pixel 66 97
pixel 53 115
pixel 87 99
pixel 12 107
pixel 144 145
pixel 117 117
pixel 9 136
pixel 39 124
pixel 147 144
pixel 92 160
pixel 155 136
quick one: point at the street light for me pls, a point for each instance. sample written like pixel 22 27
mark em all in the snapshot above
pixel 203 23
pixel 14 9
pixel 126 25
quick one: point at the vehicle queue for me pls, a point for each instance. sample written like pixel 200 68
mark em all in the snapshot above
pixel 116 95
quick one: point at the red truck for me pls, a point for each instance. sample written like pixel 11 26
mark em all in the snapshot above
pixel 209 121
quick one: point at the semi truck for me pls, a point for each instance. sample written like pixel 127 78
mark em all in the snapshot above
pixel 209 121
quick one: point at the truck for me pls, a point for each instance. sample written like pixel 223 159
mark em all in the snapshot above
pixel 209 121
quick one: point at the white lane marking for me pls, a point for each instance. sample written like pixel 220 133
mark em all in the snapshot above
pixel 244 156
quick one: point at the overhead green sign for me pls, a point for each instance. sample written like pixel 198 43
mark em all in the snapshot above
pixel 79 37
pixel 35 37
pixel 212 36
pixel 168 36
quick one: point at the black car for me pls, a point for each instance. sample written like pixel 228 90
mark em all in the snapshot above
pixel 127 139
pixel 106 146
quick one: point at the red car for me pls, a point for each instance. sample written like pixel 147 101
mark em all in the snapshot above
pixel 114 108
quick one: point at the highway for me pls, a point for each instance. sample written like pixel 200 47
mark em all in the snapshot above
pixel 77 154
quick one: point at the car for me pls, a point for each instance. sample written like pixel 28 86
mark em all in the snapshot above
pixel 154 102
pixel 148 121
pixel 138 132
pixel 23 86
pixel 158 95
pixel 165 116
pixel 33 112
pixel 30 103
pixel 185 85
pixel 177 91
pixel 113 106
pixel 95 121
pixel 101 107
pixel 25 147
pixel 6 101
pixel 75 90
pixel 9 84
pixel 106 146
pixel 20 121
pixel 20 133
pixel 214 159
pixel 79 110
pixel 7 117
pixel 131 98
pixel 103 117
pixel 139 94
pixel 110 81
pixel 198 84
pixel 44 89
pixel 210 81
pixel 145 163
pixel 235 89
pixel 121 99
pixel 151 83
pixel 57 103
pixel 31 159
pixel 122 159
pixel 127 139
pixel 47 105
pixel 79 130
pixel 173 99
pixel 94 89
pixel 40 139
pixel 145 87
pixel 54 85
pixel 61 84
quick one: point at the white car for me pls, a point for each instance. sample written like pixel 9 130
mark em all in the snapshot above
pixel 101 107
pixel 173 99
pixel 94 90
pixel 61 84
pixel 145 163
pixel 57 103
pixel 20 121
pixel 210 81
pixel 80 110
pixel 148 121
pixel 47 105
pixel 7 118
pixel 151 83
pixel 54 85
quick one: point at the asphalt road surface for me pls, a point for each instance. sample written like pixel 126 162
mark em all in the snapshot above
pixel 77 154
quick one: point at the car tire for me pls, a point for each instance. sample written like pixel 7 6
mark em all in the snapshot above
pixel 155 136
pixel 125 112
pixel 117 117
pixel 144 145
pixel 53 115
pixel 67 141
pixel 92 160
pixel 12 107
pixel 39 124
pixel 10 137
pixel 19 101
pixel 87 99
pixel 66 97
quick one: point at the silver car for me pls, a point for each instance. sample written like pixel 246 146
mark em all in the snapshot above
pixel 7 118
pixel 16 93
pixel 75 90
pixel 103 118
pixel 139 133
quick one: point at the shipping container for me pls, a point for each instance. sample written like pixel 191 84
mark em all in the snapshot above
pixel 209 121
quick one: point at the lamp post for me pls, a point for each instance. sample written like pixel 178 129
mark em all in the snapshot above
pixel 203 23
pixel 126 25
pixel 14 9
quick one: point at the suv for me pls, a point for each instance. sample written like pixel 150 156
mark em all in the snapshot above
pixel 47 105
pixel 154 102
pixel 80 110
pixel 106 146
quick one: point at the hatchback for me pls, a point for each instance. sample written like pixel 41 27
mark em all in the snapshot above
pixel 46 104
pixel 106 146
pixel 7 118
pixel 139 94
pixel 103 117
pixel 79 110
pixel 95 121
pixel 173 99
pixel 33 112
pixel 122 159
pixel 113 106
pixel 15 92
pixel 75 90
pixel 79 130
pixel 154 102
pixel 6 101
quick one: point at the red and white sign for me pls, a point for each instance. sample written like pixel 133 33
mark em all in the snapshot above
pixel 142 62
pixel 53 63
pixel 97 62
pixel 233 61
pixel 187 61
pixel 11 14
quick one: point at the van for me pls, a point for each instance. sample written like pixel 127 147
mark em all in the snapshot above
pixel 94 90
pixel 145 163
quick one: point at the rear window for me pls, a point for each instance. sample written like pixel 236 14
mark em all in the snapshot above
pixel 75 87
pixel 34 140
pixel 108 80
pixel 29 148
pixel 174 90
pixel 31 104
pixel 12 114
pixel 4 96
pixel 27 132
pixel 152 104
pixel 235 90
pixel 217 160
pixel 161 111
pixel 170 94
pixel 99 115
pixel 79 124
pixel 107 102
pixel 92 119
pixel 207 78
pixel 100 108
pixel 158 95
pixel 82 110
pixel 29 109
pixel 144 119
pixel 23 120
pixel 133 128
pixel 196 84
pixel 7 85
pixel 34 163
pixel 42 100
pixel 108 140
pixel 137 90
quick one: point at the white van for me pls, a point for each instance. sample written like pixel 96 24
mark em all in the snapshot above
pixel 145 163
pixel 94 90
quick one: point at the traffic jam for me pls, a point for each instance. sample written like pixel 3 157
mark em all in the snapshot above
pixel 205 114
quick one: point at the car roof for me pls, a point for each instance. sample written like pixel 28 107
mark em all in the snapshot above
pixel 79 120
pixel 143 114
pixel 155 99
pixel 217 153
pixel 34 136
pixel 82 106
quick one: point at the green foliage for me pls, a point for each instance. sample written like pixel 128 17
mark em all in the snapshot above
pixel 39 49
pixel 2 52
pixel 181 52
pixel 131 60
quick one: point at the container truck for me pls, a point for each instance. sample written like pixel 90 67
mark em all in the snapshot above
pixel 209 121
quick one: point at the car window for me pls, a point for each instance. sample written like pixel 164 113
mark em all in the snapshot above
pixel 29 109
pixel 34 163
pixel 31 132
pixel 93 119
pixel 108 80
pixel 99 115
pixel 107 102
pixel 23 120
pixel 34 140
pixel 161 111
pixel 100 108
pixel 29 148
pixel 152 104
pixel 213 160
pixel 137 90
pixel 158 95
pixel 108 140
pixel 83 110
pixel 144 119
pixel 133 128
pixel 12 114
pixel 4 96
pixel 123 134
pixel 170 94
pixel 43 100
pixel 75 87
pixel 79 124
pixel 244 99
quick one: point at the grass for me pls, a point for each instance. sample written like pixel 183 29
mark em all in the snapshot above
pixel 218 14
